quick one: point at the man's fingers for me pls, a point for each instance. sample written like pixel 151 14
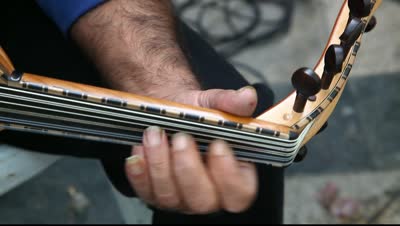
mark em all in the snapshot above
pixel 178 179
pixel 136 171
pixel 197 190
pixel 236 181
pixel 241 102
pixel 157 154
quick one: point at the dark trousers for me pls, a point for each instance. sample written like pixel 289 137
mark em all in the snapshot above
pixel 36 46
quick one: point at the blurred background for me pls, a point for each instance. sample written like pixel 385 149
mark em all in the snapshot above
pixel 351 173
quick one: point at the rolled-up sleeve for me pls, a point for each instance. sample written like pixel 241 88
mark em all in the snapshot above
pixel 65 12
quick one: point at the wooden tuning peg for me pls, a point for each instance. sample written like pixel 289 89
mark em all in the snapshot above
pixel 301 154
pixel 371 24
pixel 324 126
pixel 360 8
pixel 352 32
pixel 307 83
pixel 334 58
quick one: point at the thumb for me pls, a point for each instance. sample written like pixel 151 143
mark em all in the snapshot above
pixel 240 102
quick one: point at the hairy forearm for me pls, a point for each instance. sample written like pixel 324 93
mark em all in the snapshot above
pixel 134 45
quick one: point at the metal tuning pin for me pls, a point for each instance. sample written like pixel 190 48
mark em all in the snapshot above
pixel 360 8
pixel 351 33
pixel 371 24
pixel 307 83
pixel 334 58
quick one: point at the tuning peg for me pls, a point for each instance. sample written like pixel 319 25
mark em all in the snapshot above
pixel 301 154
pixel 334 58
pixel 351 33
pixel 307 83
pixel 324 126
pixel 360 8
pixel 371 24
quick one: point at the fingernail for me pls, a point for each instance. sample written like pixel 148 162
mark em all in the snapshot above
pixel 134 166
pixel 152 136
pixel 220 148
pixel 180 142
pixel 243 89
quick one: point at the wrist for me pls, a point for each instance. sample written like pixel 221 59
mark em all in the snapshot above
pixel 151 81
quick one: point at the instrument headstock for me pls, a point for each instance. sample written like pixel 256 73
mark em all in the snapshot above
pixel 330 73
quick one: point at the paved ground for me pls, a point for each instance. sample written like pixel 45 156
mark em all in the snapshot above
pixel 45 199
pixel 358 152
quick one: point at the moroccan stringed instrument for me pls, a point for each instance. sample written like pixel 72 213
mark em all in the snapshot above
pixel 37 104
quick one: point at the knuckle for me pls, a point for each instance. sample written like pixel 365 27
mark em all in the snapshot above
pixel 201 206
pixel 159 165
pixel 209 97
pixel 203 99
pixel 185 165
pixel 170 201
pixel 135 178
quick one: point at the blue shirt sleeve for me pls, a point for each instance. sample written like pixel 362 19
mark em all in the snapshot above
pixel 65 12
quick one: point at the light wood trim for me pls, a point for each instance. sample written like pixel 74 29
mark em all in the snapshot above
pixel 96 94
pixel 5 63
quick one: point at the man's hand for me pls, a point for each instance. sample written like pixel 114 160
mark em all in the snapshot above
pixel 175 177
pixel 134 46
